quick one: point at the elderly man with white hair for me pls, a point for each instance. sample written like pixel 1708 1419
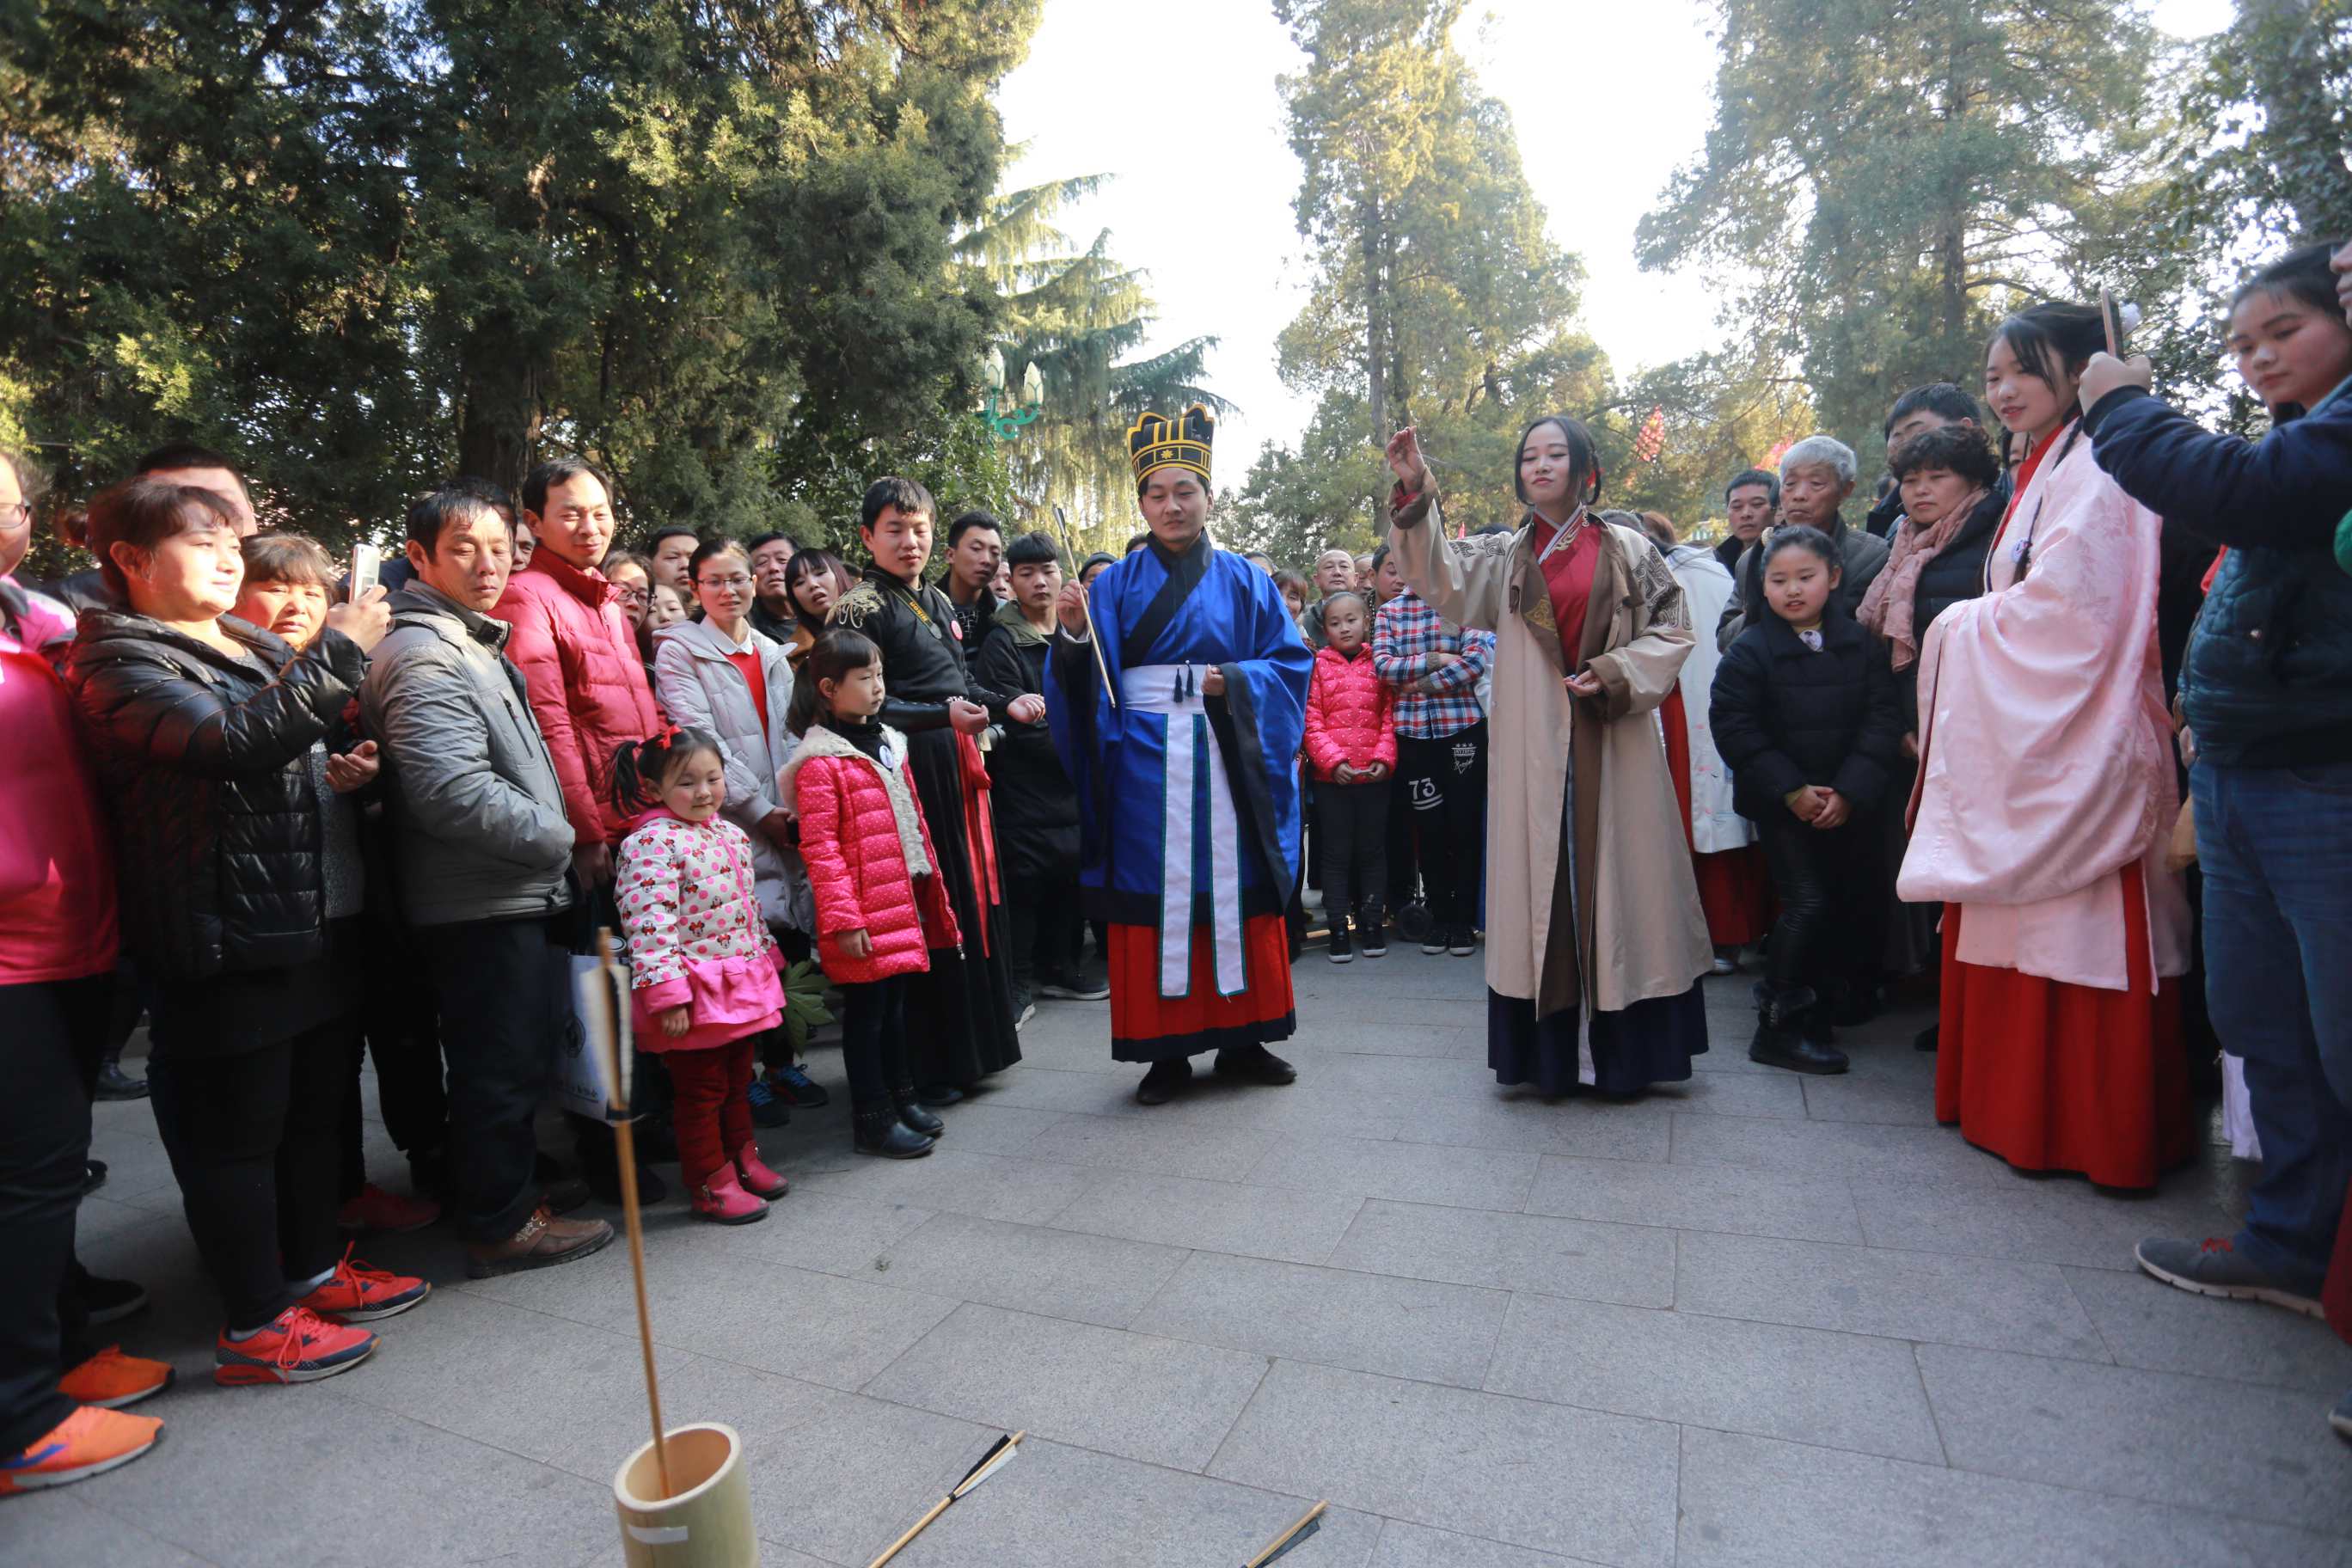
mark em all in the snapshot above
pixel 1817 477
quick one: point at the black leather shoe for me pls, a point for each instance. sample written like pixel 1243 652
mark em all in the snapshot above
pixel 936 1095
pixel 911 1112
pixel 1255 1064
pixel 1160 1084
pixel 880 1133
pixel 113 1083
pixel 604 1179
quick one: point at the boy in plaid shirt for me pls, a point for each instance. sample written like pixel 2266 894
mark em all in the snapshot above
pixel 1441 753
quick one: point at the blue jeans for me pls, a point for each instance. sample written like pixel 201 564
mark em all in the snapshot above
pixel 2275 845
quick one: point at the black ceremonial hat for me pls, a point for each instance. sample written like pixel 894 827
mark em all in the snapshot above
pixel 1156 441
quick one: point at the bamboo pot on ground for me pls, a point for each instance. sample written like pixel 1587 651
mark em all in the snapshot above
pixel 707 1523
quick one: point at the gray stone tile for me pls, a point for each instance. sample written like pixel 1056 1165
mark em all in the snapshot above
pixel 1207 1150
pixel 1632 1264
pixel 841 1486
pixel 1476 1462
pixel 1059 1504
pixel 2054 1221
pixel 1857 1150
pixel 1043 1088
pixel 71 1523
pixel 1410 1039
pixel 795 1321
pixel 1901 1294
pixel 1060 1273
pixel 1733 1094
pixel 1161 1401
pixel 1858 1096
pixel 137 1171
pixel 1808 1385
pixel 993 1186
pixel 1437 1007
pixel 1697 1197
pixel 982 1126
pixel 1406 1545
pixel 826 1231
pixel 1750 1502
pixel 1410 1328
pixel 1590 1128
pixel 2147 1324
pixel 99 1215
pixel 1414 1173
pixel 2258 1453
pixel 1435 1078
pixel 276 1475
pixel 1213 1216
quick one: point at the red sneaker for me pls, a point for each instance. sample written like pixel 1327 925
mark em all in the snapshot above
pixel 299 1346
pixel 89 1442
pixel 376 1209
pixel 358 1294
pixel 112 1380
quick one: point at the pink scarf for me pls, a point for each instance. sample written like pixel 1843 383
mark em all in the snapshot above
pixel 1887 608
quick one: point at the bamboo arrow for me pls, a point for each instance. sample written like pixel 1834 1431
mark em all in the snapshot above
pixel 1000 1454
pixel 1085 598
pixel 1308 1523
pixel 611 1045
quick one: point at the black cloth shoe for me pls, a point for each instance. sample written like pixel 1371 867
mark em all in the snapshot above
pixel 113 1083
pixel 1342 949
pixel 1074 988
pixel 1927 1038
pixel 880 1133
pixel 110 1301
pixel 1255 1064
pixel 1372 932
pixel 93 1176
pixel 936 1095
pixel 1462 942
pixel 604 1179
pixel 1160 1085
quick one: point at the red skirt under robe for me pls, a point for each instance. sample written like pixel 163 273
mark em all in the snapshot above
pixel 1146 1026
pixel 1735 890
pixel 2053 1077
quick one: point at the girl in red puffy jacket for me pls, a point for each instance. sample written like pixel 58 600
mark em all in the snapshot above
pixel 879 905
pixel 1352 752
pixel 702 967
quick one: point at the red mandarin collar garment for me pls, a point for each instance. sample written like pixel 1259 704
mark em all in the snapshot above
pixel 1567 574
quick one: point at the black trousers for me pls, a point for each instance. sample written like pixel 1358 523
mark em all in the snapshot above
pixel 1048 929
pixel 873 1042
pixel 256 1141
pixel 1445 788
pixel 505 993
pixel 1355 848
pixel 56 1030
pixel 403 1033
pixel 1821 877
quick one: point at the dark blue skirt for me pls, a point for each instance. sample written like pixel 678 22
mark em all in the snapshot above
pixel 1650 1042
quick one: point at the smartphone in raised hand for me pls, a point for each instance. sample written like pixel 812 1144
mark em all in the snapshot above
pixel 367 568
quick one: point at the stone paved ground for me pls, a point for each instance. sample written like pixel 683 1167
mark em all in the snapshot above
pixel 1755 1319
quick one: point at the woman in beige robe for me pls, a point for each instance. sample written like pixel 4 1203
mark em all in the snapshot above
pixel 1595 941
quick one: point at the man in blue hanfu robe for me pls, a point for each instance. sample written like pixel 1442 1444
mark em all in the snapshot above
pixel 1176 691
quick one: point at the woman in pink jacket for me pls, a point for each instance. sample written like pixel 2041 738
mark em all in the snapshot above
pixel 702 965
pixel 879 905
pixel 1351 750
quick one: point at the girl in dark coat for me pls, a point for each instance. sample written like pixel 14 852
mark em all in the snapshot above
pixel 202 728
pixel 1805 715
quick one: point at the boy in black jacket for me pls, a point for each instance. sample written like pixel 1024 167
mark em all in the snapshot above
pixel 1805 715
pixel 1036 808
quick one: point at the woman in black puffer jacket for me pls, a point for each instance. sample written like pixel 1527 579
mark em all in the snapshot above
pixel 202 728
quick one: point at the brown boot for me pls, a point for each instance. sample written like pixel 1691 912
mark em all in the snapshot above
pixel 543 1242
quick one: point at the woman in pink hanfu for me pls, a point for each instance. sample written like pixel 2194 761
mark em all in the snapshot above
pixel 2044 796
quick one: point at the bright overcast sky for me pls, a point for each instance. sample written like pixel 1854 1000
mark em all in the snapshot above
pixel 1186 117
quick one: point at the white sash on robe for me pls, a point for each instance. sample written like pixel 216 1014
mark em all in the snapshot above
pixel 1174 691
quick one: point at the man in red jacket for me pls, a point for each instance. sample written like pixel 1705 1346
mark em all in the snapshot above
pixel 577 654
pixel 587 689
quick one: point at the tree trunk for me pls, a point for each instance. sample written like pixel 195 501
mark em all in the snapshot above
pixel 1376 323
pixel 498 430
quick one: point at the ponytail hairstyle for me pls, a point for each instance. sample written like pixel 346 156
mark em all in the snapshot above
pixel 1583 459
pixel 2055 340
pixel 642 769
pixel 836 651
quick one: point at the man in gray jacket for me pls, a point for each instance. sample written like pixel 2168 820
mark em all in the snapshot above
pixel 481 855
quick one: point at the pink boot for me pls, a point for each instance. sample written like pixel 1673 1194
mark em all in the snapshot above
pixel 758 1180
pixel 722 1198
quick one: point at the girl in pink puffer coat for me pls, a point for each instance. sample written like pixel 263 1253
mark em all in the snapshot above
pixel 1351 750
pixel 702 967
pixel 880 907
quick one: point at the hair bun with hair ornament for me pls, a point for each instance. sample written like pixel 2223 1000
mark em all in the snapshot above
pixel 2127 316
